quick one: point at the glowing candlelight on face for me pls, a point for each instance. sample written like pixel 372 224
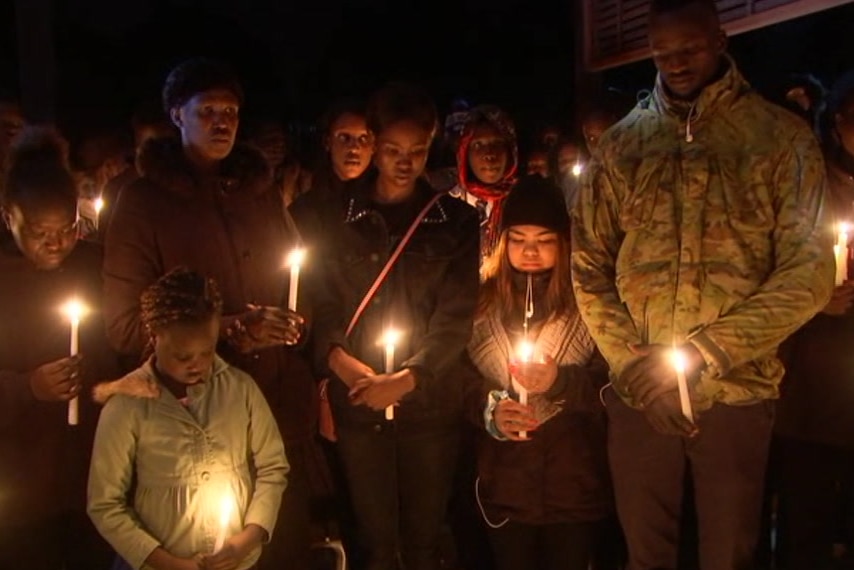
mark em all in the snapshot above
pixel 294 261
pixel 390 339
pixel 74 310
pixel 840 253
pixel 680 364
pixel 225 509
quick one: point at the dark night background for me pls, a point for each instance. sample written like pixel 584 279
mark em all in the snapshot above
pixel 295 56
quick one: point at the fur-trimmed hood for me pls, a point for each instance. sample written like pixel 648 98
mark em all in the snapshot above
pixel 141 383
pixel 162 161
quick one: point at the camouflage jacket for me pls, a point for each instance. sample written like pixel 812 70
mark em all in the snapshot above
pixel 704 223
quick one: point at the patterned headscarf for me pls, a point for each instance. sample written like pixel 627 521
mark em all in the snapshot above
pixel 495 193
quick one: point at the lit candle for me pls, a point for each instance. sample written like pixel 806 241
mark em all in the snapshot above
pixel 99 205
pixel 225 508
pixel 74 311
pixel 840 252
pixel 524 353
pixel 390 339
pixel 295 260
pixel 577 169
pixel 679 364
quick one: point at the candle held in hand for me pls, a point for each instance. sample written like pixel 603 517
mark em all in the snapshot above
pixel 524 353
pixel 225 509
pixel 74 311
pixel 577 169
pixel 680 364
pixel 840 253
pixel 390 339
pixel 294 261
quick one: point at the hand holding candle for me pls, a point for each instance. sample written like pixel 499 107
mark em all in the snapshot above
pixel 294 261
pixel 74 310
pixel 679 365
pixel 390 339
pixel 840 253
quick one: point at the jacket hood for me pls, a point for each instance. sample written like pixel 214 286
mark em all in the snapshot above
pixel 724 91
pixel 501 121
pixel 141 383
pixel 163 162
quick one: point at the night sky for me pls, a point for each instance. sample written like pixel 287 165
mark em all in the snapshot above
pixel 296 56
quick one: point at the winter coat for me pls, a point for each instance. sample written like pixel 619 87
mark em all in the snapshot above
pixel 561 474
pixel 704 222
pixel 182 463
pixel 429 296
pixel 817 394
pixel 230 228
pixel 43 460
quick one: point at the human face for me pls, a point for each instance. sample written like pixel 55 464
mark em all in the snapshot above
pixel 350 146
pixel 273 145
pixel 185 351
pixel 46 237
pixel 532 249
pixel 844 121
pixel 567 157
pixel 11 123
pixel 687 47
pixel 489 154
pixel 593 130
pixel 538 164
pixel 208 123
pixel 550 136
pixel 401 154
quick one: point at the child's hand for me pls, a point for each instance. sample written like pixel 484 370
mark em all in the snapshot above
pixel 57 381
pixel 511 417
pixel 235 549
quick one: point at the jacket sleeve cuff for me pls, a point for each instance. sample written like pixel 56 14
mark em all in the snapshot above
pixel 718 361
pixel 492 400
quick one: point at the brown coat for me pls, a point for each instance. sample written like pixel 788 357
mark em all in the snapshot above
pixel 43 461
pixel 230 228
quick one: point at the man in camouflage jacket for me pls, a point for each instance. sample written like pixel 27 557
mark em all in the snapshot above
pixel 701 225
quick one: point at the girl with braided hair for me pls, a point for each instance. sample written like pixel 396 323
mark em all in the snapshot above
pixel 43 460
pixel 193 437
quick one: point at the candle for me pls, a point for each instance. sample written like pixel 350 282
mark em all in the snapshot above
pixel 99 205
pixel 390 339
pixel 524 353
pixel 679 364
pixel 295 260
pixel 74 311
pixel 840 253
pixel 225 508
pixel 577 169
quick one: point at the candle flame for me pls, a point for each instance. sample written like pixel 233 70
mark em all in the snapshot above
pixel 74 310
pixel 296 257
pixel 99 204
pixel 677 357
pixel 391 337
pixel 577 169
pixel 225 509
pixel 525 351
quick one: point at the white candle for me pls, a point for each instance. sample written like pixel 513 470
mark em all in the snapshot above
pixel 295 260
pixel 525 353
pixel 840 253
pixel 74 311
pixel 390 339
pixel 99 205
pixel 679 364
pixel 225 508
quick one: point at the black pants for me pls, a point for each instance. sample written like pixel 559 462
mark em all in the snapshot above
pixel 399 478
pixel 566 546
pixel 67 542
pixel 813 481
pixel 727 462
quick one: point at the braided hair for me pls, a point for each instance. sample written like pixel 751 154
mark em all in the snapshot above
pixel 180 296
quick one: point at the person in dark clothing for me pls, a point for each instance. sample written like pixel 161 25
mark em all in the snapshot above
pixel 208 204
pixel 815 424
pixel 398 471
pixel 543 494
pixel 43 459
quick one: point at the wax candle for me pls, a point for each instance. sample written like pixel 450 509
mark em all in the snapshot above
pixel 74 311
pixel 679 364
pixel 390 340
pixel 225 508
pixel 295 260
pixel 524 353
pixel 840 253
